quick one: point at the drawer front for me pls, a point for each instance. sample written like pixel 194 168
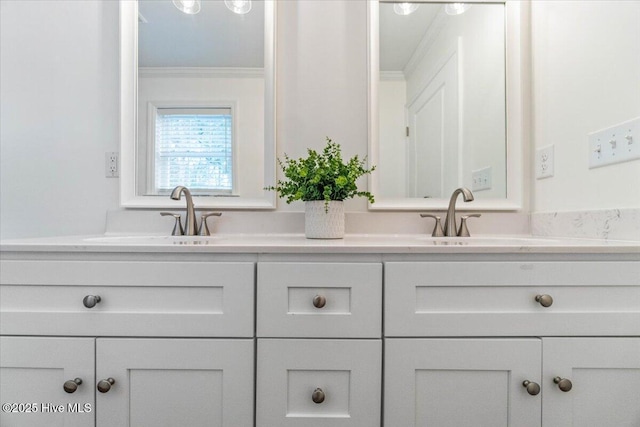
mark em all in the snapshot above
pixel 319 300
pixel 318 383
pixel 499 298
pixel 136 298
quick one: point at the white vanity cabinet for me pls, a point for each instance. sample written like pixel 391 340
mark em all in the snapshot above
pixel 437 318
pixel 301 336
pixel 319 344
pixel 166 343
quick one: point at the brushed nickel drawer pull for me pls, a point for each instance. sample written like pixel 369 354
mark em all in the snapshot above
pixel 105 385
pixel 532 388
pixel 544 300
pixel 319 301
pixel 317 396
pixel 563 384
pixel 90 301
pixel 72 385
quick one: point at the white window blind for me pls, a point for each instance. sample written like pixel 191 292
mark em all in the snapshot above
pixel 194 148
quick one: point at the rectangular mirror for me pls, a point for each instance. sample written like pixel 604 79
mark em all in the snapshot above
pixel 445 104
pixel 197 102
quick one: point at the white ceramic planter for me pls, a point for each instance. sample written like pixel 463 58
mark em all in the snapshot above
pixel 321 224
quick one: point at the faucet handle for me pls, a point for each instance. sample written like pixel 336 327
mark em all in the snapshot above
pixel 204 229
pixel 437 229
pixel 463 231
pixel 177 227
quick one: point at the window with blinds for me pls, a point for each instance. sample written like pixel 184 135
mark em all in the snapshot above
pixel 194 147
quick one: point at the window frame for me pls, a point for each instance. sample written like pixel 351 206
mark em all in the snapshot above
pixel 152 112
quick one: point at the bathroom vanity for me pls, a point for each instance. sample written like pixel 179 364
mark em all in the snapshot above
pixel 283 331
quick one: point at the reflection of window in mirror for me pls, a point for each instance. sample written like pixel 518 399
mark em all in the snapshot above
pixel 191 146
pixel 196 61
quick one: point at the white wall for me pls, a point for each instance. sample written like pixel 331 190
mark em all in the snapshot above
pixel 59 114
pixel 59 95
pixel 247 95
pixel 586 77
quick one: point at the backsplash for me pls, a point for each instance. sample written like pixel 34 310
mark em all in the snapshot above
pixel 613 224
pixel 123 221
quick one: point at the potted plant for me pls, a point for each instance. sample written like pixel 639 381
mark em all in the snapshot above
pixel 322 181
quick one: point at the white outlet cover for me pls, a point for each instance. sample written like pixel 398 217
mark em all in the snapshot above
pixel 544 162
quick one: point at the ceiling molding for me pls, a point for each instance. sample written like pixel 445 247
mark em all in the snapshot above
pixel 201 72
pixel 426 43
pixel 392 76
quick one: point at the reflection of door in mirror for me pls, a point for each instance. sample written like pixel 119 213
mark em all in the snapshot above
pixel 201 94
pixel 441 100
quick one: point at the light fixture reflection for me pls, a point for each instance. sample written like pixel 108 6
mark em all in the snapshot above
pixel 405 8
pixel 190 7
pixel 456 8
pixel 238 6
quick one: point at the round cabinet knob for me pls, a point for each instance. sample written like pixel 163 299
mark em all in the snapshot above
pixel 319 301
pixel 105 385
pixel 532 388
pixel 544 300
pixel 563 383
pixel 72 385
pixel 317 396
pixel 90 301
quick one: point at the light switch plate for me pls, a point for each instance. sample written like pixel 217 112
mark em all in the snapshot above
pixel 544 162
pixel 481 179
pixel 617 144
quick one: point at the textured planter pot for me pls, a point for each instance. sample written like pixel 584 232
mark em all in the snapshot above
pixel 321 224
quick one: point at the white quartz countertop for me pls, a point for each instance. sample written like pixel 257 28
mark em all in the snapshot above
pixel 297 243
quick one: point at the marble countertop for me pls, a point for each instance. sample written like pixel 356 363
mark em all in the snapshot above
pixel 297 243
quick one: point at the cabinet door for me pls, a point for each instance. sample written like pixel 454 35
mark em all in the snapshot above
pixel 33 372
pixel 318 383
pixel 461 382
pixel 604 374
pixel 175 382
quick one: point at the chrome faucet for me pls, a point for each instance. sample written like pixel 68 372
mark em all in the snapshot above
pixel 450 224
pixel 190 224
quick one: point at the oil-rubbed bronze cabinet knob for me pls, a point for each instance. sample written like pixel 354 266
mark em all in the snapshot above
pixel 544 300
pixel 532 388
pixel 319 301
pixel 317 396
pixel 105 385
pixel 90 301
pixel 72 385
pixel 563 384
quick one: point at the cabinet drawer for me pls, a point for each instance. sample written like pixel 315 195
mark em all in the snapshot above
pixel 319 300
pixel 499 298
pixel 318 383
pixel 136 298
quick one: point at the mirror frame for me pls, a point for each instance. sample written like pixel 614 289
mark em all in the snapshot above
pixel 129 121
pixel 517 92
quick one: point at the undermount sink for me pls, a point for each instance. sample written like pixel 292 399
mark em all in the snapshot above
pixel 154 240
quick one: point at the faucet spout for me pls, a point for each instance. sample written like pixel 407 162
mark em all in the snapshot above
pixel 190 225
pixel 450 223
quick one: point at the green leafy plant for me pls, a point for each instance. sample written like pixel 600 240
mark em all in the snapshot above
pixel 322 176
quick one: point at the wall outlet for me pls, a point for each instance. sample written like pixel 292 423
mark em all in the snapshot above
pixel 111 164
pixel 481 179
pixel 544 162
